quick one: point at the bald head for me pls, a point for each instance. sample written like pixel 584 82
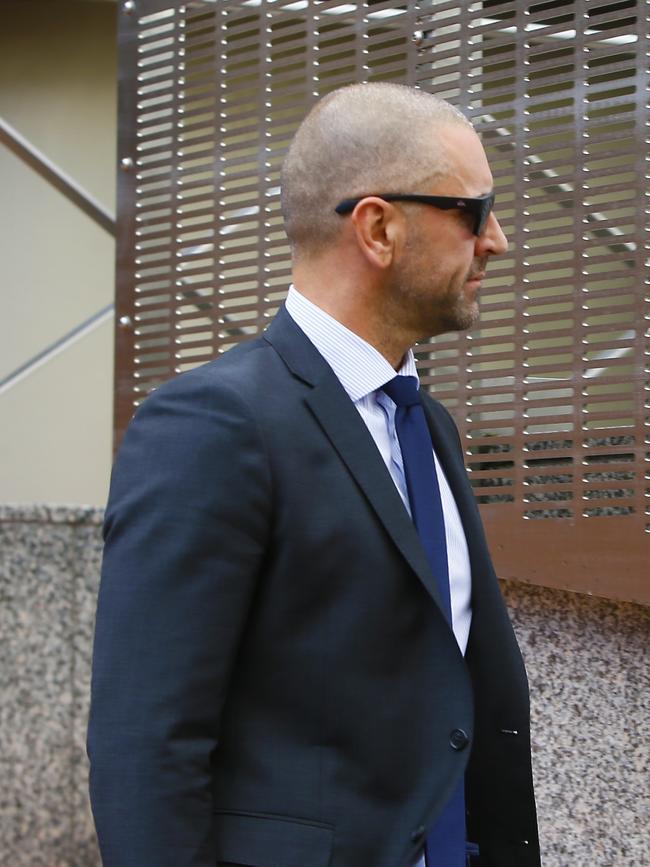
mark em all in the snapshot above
pixel 359 140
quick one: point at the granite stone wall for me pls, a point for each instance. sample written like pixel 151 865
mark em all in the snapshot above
pixel 589 672
pixel 49 567
pixel 587 660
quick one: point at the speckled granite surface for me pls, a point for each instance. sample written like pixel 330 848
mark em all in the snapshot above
pixel 587 661
pixel 589 672
pixel 48 577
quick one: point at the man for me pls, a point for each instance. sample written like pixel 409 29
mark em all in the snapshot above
pixel 297 663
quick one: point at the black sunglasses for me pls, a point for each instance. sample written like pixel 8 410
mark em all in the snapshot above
pixel 479 208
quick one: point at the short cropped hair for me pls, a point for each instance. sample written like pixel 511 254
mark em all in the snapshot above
pixel 359 140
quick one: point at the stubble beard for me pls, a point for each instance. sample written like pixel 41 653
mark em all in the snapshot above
pixel 463 311
pixel 435 301
pixel 462 314
pixel 434 313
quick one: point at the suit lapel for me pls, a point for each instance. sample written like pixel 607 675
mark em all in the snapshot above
pixel 348 434
pixel 352 440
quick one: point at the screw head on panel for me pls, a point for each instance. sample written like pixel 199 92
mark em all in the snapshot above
pixel 128 7
pixel 125 321
pixel 418 37
pixel 126 164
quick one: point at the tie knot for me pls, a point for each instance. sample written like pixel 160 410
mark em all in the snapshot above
pixel 403 390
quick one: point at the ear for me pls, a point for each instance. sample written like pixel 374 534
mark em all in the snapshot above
pixel 379 229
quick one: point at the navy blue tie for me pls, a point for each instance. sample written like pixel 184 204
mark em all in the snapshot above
pixel 446 840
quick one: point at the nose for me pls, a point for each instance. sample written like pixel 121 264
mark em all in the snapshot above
pixel 492 241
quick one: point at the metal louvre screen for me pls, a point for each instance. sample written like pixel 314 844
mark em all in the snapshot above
pixel 551 392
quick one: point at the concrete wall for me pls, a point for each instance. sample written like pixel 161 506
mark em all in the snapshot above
pixel 587 660
pixel 58 74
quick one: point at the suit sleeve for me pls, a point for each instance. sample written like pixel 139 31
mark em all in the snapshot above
pixel 185 533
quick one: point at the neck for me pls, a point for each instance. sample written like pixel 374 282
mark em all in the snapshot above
pixel 356 305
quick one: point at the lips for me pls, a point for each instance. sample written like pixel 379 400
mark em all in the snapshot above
pixel 476 278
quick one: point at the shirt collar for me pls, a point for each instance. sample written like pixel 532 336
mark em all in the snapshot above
pixel 360 368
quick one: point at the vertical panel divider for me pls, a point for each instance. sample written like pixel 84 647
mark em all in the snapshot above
pixel 125 311
pixel 580 262
pixel 178 293
pixel 642 354
pixel 519 448
pixel 265 120
pixel 220 13
pixel 464 339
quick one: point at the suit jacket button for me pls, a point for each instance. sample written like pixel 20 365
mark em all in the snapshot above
pixel 418 833
pixel 458 739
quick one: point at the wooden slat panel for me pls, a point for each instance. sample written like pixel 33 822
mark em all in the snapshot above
pixel 551 392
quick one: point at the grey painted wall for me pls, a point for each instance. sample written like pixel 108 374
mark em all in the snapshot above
pixel 58 88
pixel 587 660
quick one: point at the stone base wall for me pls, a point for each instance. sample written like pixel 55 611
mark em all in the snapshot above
pixel 587 660
pixel 49 570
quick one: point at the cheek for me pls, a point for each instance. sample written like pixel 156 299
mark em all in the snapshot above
pixel 459 274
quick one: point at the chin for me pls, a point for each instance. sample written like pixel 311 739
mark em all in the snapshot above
pixel 461 320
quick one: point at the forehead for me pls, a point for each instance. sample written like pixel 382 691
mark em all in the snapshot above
pixel 467 162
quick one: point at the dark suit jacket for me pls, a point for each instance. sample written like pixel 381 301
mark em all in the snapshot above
pixel 274 683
